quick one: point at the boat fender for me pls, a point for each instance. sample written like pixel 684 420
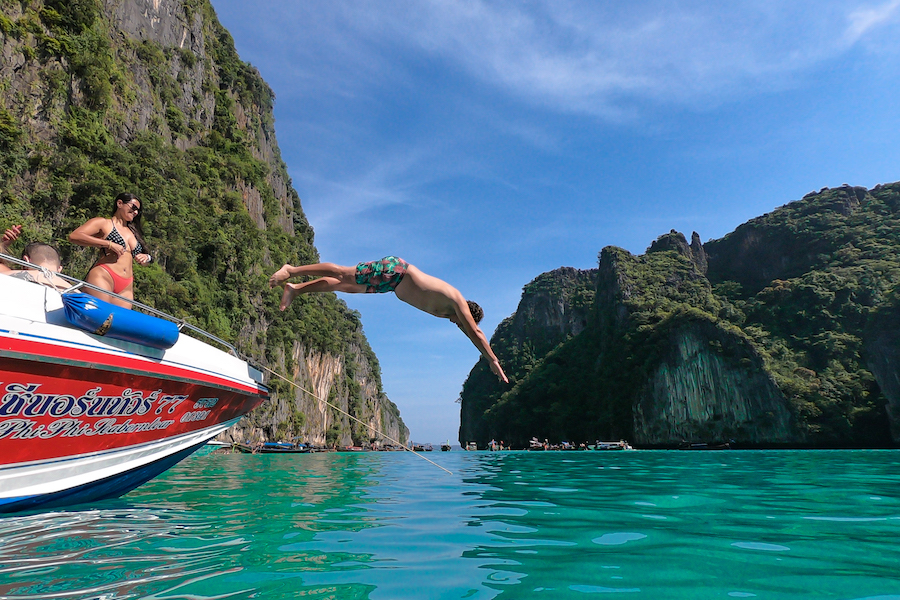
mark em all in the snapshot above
pixel 102 318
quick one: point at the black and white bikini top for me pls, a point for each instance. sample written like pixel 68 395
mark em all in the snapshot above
pixel 116 238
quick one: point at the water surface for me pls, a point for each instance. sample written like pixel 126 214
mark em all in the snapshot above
pixel 512 525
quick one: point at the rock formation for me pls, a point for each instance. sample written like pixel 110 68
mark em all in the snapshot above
pixel 554 307
pixel 782 333
pixel 711 385
pixel 883 353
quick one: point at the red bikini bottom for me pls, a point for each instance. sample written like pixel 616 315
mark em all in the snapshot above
pixel 119 282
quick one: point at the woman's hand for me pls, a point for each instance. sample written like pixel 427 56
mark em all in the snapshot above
pixel 117 248
pixel 143 259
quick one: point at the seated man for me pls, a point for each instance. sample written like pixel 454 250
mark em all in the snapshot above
pixel 392 274
pixel 42 255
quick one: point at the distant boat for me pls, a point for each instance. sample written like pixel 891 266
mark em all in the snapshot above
pixel 605 446
pixel 92 410
pixel 704 446
pixel 445 447
pixel 471 446
pixel 273 448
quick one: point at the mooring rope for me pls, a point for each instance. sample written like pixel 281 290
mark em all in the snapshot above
pixel 364 424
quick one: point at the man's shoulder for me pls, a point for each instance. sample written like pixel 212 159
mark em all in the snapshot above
pixel 26 275
pixel 38 278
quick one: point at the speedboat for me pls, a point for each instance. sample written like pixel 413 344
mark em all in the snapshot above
pixel 535 445
pixel 89 413
pixel 620 445
pixel 273 448
pixel 704 446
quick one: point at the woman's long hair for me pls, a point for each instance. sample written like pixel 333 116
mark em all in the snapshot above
pixel 135 224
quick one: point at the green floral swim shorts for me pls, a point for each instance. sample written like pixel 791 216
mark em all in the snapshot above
pixel 380 276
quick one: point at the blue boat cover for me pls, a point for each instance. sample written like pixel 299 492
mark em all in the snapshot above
pixel 102 318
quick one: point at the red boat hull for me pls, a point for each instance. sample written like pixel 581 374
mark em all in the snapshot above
pixel 85 417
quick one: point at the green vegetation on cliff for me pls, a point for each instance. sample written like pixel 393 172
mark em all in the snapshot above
pixel 833 258
pixel 783 300
pixel 523 340
pixel 93 110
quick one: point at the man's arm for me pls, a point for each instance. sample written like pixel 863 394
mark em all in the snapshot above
pixel 9 236
pixel 474 333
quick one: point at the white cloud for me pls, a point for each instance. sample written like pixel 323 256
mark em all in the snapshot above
pixel 388 181
pixel 863 20
pixel 602 59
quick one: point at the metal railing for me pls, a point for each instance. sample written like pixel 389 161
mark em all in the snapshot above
pixel 79 284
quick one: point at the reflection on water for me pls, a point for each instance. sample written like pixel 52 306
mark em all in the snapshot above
pixel 111 552
pixel 505 525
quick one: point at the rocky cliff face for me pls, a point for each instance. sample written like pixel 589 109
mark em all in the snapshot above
pixel 700 380
pixel 150 96
pixel 883 354
pixel 760 337
pixel 173 26
pixel 347 381
pixel 554 307
pixel 710 385
pixel 774 247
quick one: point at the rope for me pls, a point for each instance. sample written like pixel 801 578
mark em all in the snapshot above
pixel 343 412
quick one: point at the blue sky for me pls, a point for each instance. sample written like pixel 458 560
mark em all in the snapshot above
pixel 489 142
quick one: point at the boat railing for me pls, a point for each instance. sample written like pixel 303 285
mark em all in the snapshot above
pixel 78 284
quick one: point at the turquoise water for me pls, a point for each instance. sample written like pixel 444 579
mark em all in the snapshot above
pixel 547 525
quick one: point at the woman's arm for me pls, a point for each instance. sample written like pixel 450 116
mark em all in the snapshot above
pixel 87 235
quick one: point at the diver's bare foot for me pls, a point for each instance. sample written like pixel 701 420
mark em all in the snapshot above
pixel 290 290
pixel 279 277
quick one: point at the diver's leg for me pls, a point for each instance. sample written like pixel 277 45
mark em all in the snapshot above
pixel 316 270
pixel 323 284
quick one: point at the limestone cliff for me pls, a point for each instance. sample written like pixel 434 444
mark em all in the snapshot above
pixel 553 308
pixel 760 337
pixel 701 379
pixel 883 354
pixel 710 385
pixel 150 96
pixel 348 381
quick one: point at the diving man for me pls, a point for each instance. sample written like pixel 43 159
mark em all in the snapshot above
pixel 391 274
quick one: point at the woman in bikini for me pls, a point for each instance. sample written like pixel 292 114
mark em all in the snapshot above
pixel 121 241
